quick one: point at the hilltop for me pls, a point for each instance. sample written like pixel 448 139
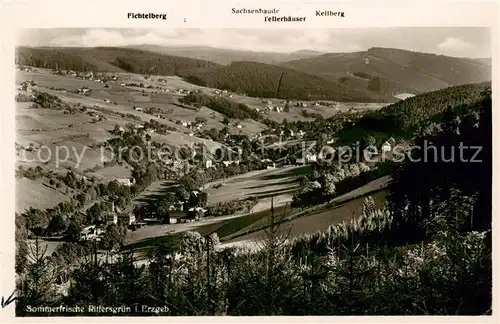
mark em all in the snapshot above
pixel 392 71
pixel 226 56
pixel 272 81
pixel 108 59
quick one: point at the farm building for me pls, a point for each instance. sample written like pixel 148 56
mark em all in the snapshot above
pixel 126 181
pixel 127 218
pixel 111 218
pixel 175 217
pixel 388 145
pixel 309 158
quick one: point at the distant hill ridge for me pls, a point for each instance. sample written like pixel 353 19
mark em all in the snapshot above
pixel 227 56
pixel 375 75
pixel 398 70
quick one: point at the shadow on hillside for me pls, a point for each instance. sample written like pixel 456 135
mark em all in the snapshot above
pixel 291 181
pixel 271 193
pixel 295 172
pixel 158 193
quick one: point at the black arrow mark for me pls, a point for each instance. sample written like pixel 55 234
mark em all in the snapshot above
pixel 9 300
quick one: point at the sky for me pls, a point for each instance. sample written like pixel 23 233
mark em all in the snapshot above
pixel 458 41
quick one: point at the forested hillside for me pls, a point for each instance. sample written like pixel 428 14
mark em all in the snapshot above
pixel 402 118
pixel 52 59
pixel 108 59
pixel 271 81
pixel 222 105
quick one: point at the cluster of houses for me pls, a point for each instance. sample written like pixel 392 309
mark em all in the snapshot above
pixel 196 126
pixel 309 157
pixel 298 134
pixel 272 107
pixel 27 86
pixel 181 91
pixel 96 117
pixel 129 182
pixel 84 90
pixel 218 92
pixel 90 76
pixel 115 216
pixel 25 68
pixel 388 145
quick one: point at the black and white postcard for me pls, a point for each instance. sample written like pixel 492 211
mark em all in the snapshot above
pixel 248 159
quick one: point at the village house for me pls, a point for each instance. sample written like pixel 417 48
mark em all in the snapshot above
pixel 138 109
pixel 196 213
pixel 300 133
pixel 83 90
pixel 127 218
pixel 173 219
pixel 185 123
pixel 309 158
pixel 111 218
pixel 388 145
pixel 227 163
pixel 271 166
pixel 126 181
pixel 87 232
pixel 24 68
